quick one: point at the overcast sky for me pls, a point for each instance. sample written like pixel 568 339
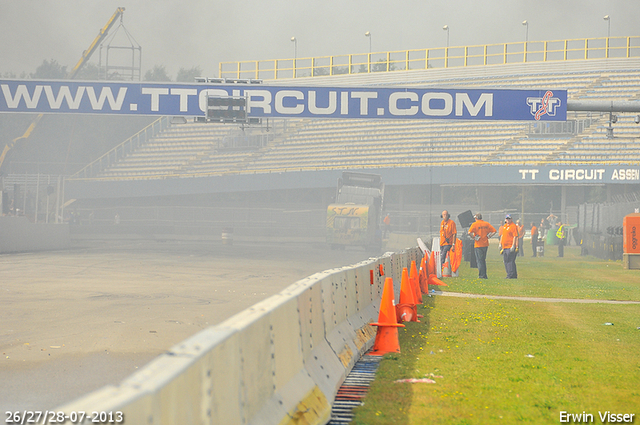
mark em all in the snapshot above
pixel 188 33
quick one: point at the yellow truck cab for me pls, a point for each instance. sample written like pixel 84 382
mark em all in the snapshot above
pixel 355 218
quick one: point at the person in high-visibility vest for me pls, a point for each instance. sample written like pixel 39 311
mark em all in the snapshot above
pixel 561 235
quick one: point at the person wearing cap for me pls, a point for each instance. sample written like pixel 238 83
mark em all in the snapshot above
pixel 509 247
pixel 448 234
pixel 481 231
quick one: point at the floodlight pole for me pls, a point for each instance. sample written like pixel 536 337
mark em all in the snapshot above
pixel 295 55
pixel 608 19
pixel 446 50
pixel 368 35
pixel 526 38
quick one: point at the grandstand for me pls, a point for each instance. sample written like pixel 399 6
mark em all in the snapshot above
pixel 201 149
pixel 176 163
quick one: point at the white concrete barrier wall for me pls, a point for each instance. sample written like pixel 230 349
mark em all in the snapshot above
pixel 18 234
pixel 280 361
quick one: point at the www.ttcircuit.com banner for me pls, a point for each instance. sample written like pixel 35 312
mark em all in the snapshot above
pixel 177 99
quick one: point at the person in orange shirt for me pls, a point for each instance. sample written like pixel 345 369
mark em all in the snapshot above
pixel 534 239
pixel 500 229
pixel 448 234
pixel 520 238
pixel 387 225
pixel 481 232
pixel 509 247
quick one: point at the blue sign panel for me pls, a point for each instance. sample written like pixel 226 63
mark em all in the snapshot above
pixel 177 99
pixel 578 174
pixel 524 175
pixel 454 175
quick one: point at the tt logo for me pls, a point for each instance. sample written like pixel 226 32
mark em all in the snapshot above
pixel 546 105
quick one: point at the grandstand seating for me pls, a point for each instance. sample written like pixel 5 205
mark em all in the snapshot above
pixel 198 148
pixel 595 146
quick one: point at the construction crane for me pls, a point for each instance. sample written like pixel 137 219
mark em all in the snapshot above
pixel 86 55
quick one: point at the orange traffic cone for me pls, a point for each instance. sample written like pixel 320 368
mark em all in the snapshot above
pixel 432 278
pixel 422 276
pixel 456 258
pixel 413 279
pixel 406 309
pixel 387 334
pixel 446 267
pixel 431 267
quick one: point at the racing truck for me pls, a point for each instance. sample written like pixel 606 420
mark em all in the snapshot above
pixel 354 219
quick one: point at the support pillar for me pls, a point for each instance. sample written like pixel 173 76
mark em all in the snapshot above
pixel 522 205
pixel 484 198
pixel 563 204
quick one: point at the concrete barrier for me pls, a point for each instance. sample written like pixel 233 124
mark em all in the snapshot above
pixel 18 234
pixel 280 361
pixel 400 241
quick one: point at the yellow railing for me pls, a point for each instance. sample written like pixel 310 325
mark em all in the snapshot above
pixel 443 57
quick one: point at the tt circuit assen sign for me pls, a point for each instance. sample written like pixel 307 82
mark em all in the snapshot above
pixel 174 99
pixel 547 175
pixel 569 175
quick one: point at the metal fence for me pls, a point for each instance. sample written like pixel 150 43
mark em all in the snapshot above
pixel 245 222
pixel 607 218
pixel 39 197
pixel 561 128
pixel 443 57
pixel 43 167
pixel 600 225
pixel 246 139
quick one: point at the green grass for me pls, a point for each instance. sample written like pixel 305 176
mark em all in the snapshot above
pixel 572 276
pixel 511 361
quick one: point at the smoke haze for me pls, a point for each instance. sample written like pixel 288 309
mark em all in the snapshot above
pixel 186 34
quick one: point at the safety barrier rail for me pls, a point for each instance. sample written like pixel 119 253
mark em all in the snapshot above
pixel 442 57
pixel 280 361
pixel 124 148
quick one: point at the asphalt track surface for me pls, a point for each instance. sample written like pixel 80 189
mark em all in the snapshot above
pixel 73 321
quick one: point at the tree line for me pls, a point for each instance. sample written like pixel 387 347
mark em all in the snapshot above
pixel 53 70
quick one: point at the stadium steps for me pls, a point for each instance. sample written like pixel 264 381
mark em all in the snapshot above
pixel 553 156
pixel 192 148
pixel 293 128
pixel 594 146
pixel 505 146
pixel 241 159
pixel 579 94
pixel 247 161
